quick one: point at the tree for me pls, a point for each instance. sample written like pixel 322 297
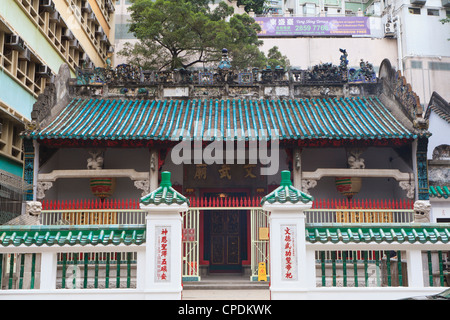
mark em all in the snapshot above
pixel 276 58
pixel 257 6
pixel 181 33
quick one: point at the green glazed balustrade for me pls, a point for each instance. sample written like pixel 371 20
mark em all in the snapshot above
pixel 377 233
pixel 376 268
pixel 72 235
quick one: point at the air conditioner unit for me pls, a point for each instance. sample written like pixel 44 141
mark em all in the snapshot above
pixel 84 58
pixel 46 6
pixel 389 30
pixel 15 42
pixel 25 55
pixel 86 7
pixel 110 49
pixel 67 35
pixel 74 44
pixel 104 38
pixel 98 31
pixel 55 17
pixel 110 6
pixel 91 16
pixel 44 72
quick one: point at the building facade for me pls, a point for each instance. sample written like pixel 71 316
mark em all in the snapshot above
pixel 225 136
pixel 36 38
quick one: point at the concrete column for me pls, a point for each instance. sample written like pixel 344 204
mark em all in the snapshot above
pixel 163 255
pixel 297 167
pixel 35 168
pixel 154 170
pixel 289 262
pixel 48 271
pixel 415 268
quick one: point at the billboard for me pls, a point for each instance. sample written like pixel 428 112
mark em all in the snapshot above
pixel 313 26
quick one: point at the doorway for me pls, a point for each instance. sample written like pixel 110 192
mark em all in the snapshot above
pixel 225 236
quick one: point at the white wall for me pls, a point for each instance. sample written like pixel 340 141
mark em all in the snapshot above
pixel 440 130
pixel 307 52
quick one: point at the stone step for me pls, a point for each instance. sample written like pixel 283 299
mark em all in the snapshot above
pixel 225 282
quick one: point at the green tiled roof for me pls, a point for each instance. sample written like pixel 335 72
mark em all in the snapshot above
pixel 286 192
pixel 165 194
pixel 439 192
pixel 377 233
pixel 72 235
pixel 315 118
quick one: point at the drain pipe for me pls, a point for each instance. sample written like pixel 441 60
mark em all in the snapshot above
pixel 399 43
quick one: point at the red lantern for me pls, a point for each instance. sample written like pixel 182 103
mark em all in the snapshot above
pixel 348 186
pixel 103 187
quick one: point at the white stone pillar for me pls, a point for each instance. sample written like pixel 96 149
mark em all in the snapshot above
pixel 163 257
pixel 48 271
pixel 415 268
pixel 288 257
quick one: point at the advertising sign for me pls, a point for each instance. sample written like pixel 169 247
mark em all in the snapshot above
pixel 313 26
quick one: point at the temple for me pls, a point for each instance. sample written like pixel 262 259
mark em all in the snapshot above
pixel 355 143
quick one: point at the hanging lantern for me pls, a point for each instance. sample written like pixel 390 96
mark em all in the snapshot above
pixel 348 186
pixel 103 187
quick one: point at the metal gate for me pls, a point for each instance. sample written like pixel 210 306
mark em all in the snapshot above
pixel 259 241
pixel 190 229
pixel 259 233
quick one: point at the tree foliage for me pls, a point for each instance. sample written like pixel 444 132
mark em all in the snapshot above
pixel 185 33
pixel 275 58
pixel 182 33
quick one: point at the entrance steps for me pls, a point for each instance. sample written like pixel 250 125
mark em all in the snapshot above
pixel 225 281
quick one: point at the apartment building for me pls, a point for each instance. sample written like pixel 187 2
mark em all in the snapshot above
pixel 36 38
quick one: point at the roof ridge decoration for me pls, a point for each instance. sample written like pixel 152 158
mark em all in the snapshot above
pixel 286 192
pixel 440 106
pixel 408 99
pixel 439 192
pixel 165 194
pixel 323 73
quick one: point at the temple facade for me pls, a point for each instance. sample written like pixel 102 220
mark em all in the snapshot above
pixel 351 140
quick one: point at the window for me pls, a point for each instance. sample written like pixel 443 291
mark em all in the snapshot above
pixel 433 12
pixel 414 10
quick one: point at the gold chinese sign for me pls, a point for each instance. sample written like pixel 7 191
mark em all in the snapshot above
pixel 84 218
pixel 363 216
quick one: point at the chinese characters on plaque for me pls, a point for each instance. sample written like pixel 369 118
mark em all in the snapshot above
pixel 162 254
pixel 224 171
pixel 289 260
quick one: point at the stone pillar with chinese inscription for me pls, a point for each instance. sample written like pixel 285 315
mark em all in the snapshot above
pixel 288 257
pixel 163 241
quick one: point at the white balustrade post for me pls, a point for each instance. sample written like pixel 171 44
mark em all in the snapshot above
pixel 415 268
pixel 163 256
pixel 48 271
pixel 288 257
